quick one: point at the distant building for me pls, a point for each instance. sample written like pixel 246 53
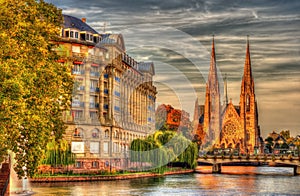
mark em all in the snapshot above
pixel 172 119
pixel 227 125
pixel 114 99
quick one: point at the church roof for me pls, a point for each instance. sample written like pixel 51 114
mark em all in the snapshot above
pixel 73 22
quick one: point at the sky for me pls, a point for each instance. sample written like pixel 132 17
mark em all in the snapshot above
pixel 176 35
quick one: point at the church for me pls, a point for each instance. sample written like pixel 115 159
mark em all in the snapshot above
pixel 227 125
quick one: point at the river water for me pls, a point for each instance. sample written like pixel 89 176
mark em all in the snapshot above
pixel 239 180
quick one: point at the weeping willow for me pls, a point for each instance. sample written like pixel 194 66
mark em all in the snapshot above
pixel 164 147
pixel 58 153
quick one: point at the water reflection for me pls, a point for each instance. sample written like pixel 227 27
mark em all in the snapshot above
pixel 235 181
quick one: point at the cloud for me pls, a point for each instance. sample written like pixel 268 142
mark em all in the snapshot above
pixel 178 34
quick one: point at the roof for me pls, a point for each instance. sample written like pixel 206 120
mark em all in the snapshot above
pixel 73 22
pixel 118 39
pixel 146 67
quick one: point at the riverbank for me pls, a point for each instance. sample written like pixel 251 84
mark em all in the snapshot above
pixel 46 179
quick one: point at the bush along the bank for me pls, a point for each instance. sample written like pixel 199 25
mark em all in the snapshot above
pixel 161 149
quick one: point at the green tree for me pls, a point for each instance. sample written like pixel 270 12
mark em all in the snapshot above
pixel 34 88
pixel 164 147
pixel 58 153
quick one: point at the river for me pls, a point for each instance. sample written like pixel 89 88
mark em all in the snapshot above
pixel 238 180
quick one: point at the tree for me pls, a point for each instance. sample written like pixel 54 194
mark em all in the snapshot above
pixel 164 147
pixel 34 88
pixel 58 153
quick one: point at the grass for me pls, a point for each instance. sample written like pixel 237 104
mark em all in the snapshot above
pixel 107 173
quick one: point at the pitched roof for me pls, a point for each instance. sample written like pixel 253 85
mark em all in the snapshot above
pixel 73 22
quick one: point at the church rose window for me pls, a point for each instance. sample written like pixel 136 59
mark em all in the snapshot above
pixel 230 129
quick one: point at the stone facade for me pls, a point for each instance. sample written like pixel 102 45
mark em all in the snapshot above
pixel 114 99
pixel 229 126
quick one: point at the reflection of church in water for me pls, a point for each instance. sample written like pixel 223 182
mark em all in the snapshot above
pixel 227 125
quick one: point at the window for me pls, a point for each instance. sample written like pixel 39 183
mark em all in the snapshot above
pixel 66 33
pixel 105 147
pixel 116 134
pixel 77 114
pixel 95 164
pixel 93 85
pixel 94 147
pixel 106 133
pixel 76 35
pixel 96 39
pixel 95 133
pixel 72 34
pixel 87 36
pixel 115 147
pixel 93 101
pixel 78 164
pixel 94 115
pixel 82 36
pixel 77 68
pixel 78 132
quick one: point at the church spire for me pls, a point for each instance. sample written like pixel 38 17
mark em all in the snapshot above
pixel 212 119
pixel 213 77
pixel 248 79
pixel 225 91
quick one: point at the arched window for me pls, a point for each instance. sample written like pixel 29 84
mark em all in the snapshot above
pixel 116 134
pixel 95 133
pixel 78 132
pixel 106 133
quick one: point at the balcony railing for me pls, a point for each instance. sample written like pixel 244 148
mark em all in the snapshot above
pixel 94 89
pixel 95 74
pixel 94 105
pixel 77 104
pixel 78 72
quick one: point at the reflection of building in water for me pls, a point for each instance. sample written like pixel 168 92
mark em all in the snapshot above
pixel 227 125
pixel 114 101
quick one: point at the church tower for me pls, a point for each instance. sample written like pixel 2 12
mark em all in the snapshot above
pixel 248 109
pixel 212 102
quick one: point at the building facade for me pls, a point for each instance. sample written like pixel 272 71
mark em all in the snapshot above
pixel 229 126
pixel 113 100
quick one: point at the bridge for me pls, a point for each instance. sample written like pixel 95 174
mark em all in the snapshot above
pixel 217 160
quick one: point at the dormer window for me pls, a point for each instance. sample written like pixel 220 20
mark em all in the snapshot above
pixel 87 37
pixel 82 36
pixel 76 35
pixel 72 34
pixel 91 37
pixel 95 39
pixel 66 33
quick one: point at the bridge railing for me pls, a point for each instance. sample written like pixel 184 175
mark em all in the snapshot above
pixel 252 157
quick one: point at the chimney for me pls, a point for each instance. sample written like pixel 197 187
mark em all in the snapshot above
pixel 83 20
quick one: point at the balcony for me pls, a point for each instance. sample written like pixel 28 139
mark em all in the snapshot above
pixel 78 72
pixel 94 89
pixel 94 74
pixel 77 103
pixel 94 105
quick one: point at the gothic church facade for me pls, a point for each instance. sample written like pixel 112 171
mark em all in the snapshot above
pixel 228 125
